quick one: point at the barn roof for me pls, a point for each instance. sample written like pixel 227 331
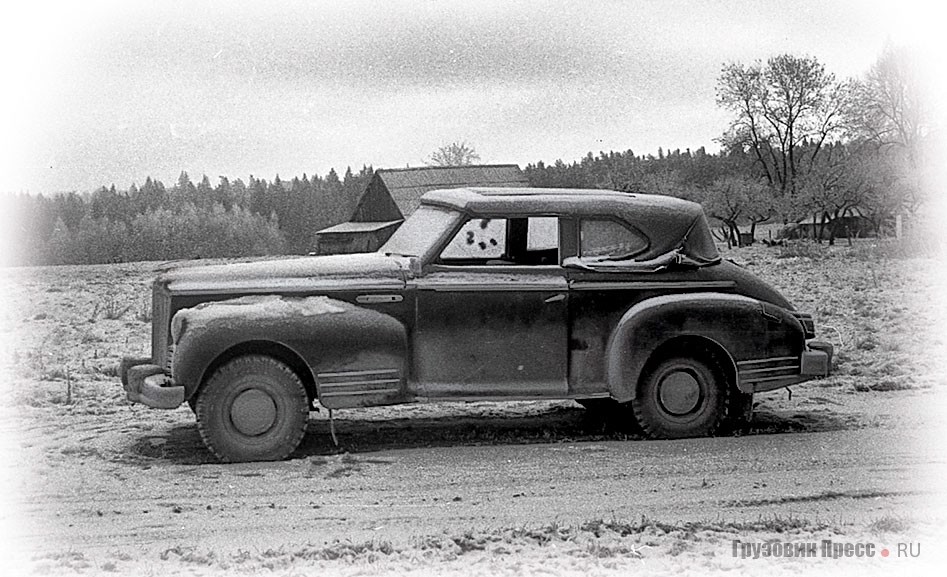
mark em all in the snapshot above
pixel 407 185
pixel 353 227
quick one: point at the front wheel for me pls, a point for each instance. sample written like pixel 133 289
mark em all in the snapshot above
pixel 253 408
pixel 680 397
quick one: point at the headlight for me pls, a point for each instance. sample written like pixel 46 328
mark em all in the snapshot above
pixel 808 325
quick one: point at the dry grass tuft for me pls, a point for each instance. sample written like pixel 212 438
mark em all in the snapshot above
pixel 111 306
pixel 890 524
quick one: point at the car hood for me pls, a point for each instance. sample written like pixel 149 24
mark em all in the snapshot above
pixel 292 275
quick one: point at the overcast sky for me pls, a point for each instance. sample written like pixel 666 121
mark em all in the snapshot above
pixel 104 92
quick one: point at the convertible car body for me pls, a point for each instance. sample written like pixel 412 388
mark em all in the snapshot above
pixel 482 294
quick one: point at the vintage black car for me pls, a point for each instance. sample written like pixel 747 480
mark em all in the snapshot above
pixel 482 294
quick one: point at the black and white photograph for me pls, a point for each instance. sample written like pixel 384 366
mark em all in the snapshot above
pixel 419 287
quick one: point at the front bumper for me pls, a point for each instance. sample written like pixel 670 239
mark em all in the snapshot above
pixel 817 361
pixel 760 375
pixel 148 384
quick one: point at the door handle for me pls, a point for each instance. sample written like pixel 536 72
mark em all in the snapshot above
pixel 555 298
pixel 378 299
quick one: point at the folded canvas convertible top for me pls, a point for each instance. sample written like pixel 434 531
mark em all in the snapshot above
pixel 675 228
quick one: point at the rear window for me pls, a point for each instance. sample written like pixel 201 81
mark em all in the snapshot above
pixel 609 239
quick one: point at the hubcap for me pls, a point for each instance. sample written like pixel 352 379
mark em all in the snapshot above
pixel 679 392
pixel 253 412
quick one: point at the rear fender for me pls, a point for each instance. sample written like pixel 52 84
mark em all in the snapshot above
pixel 736 327
pixel 356 356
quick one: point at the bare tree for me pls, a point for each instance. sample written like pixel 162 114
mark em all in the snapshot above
pixel 454 154
pixel 734 199
pixel 788 104
pixel 889 108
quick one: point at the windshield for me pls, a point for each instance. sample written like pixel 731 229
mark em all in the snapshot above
pixel 421 231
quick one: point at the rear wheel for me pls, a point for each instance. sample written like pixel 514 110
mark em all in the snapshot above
pixel 253 408
pixel 681 396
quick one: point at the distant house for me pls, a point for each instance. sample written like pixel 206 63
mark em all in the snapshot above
pixel 393 194
pixel 845 227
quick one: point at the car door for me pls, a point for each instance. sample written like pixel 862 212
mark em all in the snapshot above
pixel 492 314
pixel 598 299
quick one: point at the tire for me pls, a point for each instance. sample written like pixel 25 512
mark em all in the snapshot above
pixel 681 396
pixel 253 408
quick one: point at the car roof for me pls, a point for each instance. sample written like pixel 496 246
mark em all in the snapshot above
pixel 579 201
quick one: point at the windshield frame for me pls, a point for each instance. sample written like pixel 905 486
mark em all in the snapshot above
pixel 423 233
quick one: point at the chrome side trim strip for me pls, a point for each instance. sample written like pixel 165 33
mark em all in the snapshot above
pixel 359 383
pixel 358 373
pixel 769 370
pixel 296 286
pixel 773 369
pixel 378 299
pixel 360 393
pixel 769 360
pixel 649 285
pixel 342 384
pixel 499 287
pixel 765 379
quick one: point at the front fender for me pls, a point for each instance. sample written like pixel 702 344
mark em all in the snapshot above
pixel 739 328
pixel 357 356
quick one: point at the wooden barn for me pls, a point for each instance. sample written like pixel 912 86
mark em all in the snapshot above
pixel 393 194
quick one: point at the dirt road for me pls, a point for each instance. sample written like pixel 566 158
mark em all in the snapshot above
pixel 136 492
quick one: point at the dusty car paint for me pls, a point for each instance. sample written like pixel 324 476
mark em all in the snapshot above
pixel 491 333
pixel 334 338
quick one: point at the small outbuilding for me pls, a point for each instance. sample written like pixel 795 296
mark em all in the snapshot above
pixel 393 194
pixel 855 226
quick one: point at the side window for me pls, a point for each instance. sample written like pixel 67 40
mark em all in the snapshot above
pixel 604 238
pixel 481 238
pixel 542 233
pixel 522 241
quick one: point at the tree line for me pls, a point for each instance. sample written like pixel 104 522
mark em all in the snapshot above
pixel 801 145
pixel 184 221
